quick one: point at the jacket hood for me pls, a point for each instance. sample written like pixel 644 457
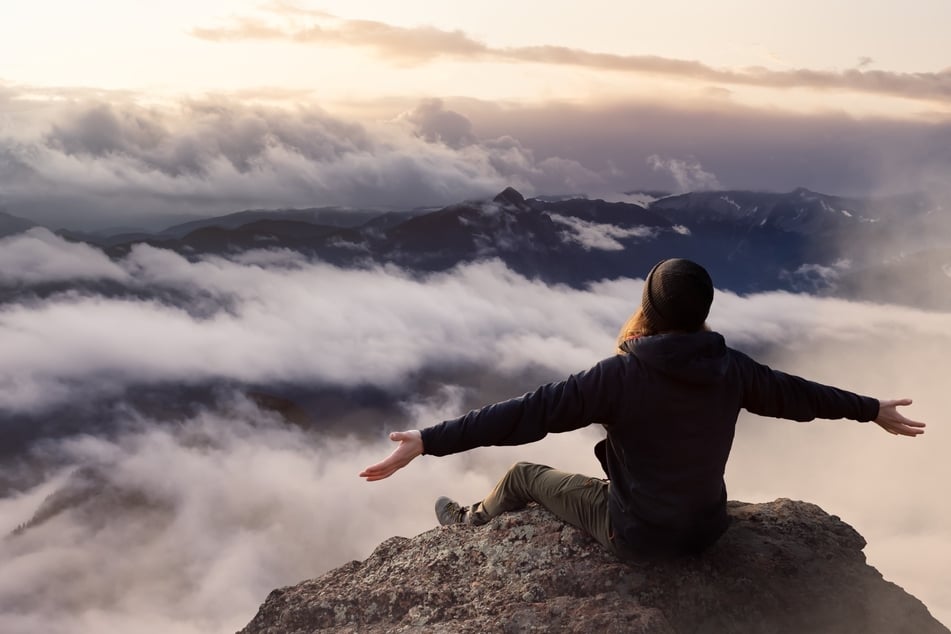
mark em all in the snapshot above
pixel 696 357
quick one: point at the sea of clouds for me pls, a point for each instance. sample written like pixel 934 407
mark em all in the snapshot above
pixel 185 524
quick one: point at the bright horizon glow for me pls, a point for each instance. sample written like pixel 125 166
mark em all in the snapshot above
pixel 153 52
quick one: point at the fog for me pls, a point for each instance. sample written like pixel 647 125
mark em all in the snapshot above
pixel 186 525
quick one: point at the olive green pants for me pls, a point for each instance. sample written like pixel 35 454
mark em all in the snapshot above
pixel 579 500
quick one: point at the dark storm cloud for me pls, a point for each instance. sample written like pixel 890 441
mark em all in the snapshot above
pixel 425 43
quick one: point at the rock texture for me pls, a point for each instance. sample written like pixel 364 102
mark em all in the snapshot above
pixel 783 566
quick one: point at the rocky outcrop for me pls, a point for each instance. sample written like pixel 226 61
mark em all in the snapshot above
pixel 783 566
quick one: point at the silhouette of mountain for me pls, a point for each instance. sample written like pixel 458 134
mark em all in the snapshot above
pixel 332 216
pixel 750 241
pixel 12 225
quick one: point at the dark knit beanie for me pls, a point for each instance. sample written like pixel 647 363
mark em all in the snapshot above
pixel 677 295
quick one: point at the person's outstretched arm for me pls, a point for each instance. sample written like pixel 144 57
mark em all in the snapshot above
pixel 770 392
pixel 556 407
pixel 894 422
pixel 410 446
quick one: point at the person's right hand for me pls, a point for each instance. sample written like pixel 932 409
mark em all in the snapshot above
pixel 410 446
pixel 892 421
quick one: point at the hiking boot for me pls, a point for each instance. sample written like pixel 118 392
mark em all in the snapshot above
pixel 450 512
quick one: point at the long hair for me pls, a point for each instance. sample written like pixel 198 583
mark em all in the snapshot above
pixel 637 325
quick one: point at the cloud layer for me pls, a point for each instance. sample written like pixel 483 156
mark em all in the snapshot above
pixel 296 321
pixel 90 160
pixel 252 503
pixel 98 162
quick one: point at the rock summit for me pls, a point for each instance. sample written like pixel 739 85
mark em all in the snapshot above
pixel 783 566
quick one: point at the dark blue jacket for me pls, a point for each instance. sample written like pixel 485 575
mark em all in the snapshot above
pixel 669 407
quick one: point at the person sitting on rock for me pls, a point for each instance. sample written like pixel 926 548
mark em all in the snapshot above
pixel 669 401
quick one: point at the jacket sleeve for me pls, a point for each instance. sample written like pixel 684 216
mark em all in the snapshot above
pixel 583 398
pixel 770 392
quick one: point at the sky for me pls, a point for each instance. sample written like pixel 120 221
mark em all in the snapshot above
pixel 115 113
pixel 362 50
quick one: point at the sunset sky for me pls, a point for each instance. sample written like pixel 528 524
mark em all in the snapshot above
pixel 887 57
pixel 108 102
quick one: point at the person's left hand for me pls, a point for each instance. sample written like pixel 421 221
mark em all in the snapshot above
pixel 892 421
pixel 411 445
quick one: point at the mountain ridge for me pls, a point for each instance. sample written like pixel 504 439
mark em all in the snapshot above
pixel 750 241
pixel 12 225
pixel 798 241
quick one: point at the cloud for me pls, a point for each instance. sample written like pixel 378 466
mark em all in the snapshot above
pixel 118 162
pixel 688 174
pixel 401 44
pixel 742 147
pixel 283 318
pixel 89 163
pixel 253 503
pixel 73 340
pixel 818 277
pixel 209 131
pixel 438 125
pixel 40 256
pixel 250 505
pixel 422 44
pixel 604 237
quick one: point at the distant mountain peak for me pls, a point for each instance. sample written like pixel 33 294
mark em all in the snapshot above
pixel 510 196
pixel 805 193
